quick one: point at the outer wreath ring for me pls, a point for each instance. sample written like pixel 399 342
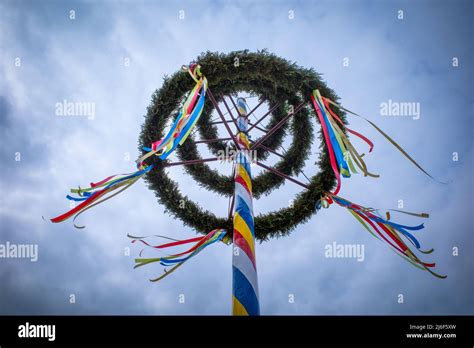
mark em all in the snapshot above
pixel 272 78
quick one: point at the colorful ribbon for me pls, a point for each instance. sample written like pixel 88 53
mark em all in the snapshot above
pixel 177 260
pixel 186 120
pixel 388 231
pixel 342 154
pixel 103 190
pixel 327 101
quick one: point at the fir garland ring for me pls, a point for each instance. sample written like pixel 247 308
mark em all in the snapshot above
pixel 274 80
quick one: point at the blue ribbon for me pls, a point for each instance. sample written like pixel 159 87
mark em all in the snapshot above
pixel 335 144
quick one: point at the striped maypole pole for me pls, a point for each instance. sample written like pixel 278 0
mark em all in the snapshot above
pixel 244 267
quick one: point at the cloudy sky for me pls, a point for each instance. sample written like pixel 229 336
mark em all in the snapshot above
pixel 423 55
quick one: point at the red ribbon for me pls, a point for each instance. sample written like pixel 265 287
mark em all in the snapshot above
pixel 201 241
pixel 80 206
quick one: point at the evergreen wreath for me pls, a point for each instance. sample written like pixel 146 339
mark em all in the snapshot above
pixel 274 80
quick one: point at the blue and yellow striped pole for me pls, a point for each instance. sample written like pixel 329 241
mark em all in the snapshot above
pixel 244 267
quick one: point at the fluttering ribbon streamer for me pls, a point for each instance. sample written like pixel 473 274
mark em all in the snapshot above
pixel 342 154
pixel 105 189
pixel 327 102
pixel 177 260
pixel 386 230
pixel 186 120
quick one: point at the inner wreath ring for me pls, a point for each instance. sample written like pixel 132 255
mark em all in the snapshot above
pixel 263 183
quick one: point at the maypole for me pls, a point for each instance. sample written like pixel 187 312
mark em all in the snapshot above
pixel 244 268
pixel 339 159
